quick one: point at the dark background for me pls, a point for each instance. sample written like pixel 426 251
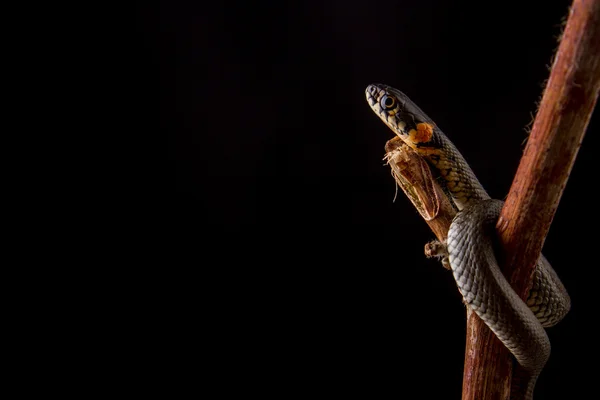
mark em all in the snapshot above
pixel 294 265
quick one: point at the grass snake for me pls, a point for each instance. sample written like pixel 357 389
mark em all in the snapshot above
pixel 470 245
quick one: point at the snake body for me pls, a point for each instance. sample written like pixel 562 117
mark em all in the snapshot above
pixel 519 325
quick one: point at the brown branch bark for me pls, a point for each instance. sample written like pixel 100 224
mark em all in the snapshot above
pixel 567 104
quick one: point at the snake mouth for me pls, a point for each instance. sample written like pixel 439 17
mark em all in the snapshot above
pixel 374 92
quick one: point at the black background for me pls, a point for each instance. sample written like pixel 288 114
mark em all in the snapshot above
pixel 295 266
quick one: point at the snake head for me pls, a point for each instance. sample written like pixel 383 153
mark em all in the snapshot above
pixel 400 114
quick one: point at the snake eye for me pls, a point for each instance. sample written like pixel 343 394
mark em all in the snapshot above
pixel 388 102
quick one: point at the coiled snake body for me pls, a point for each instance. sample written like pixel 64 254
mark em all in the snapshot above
pixel 519 325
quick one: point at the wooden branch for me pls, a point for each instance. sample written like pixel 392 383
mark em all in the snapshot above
pixel 557 133
pixel 559 127
pixel 567 104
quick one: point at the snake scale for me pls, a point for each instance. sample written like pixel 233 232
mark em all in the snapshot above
pixel 470 243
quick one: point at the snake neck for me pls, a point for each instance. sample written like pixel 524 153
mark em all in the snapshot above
pixel 454 174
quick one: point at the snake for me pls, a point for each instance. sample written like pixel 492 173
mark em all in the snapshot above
pixel 471 246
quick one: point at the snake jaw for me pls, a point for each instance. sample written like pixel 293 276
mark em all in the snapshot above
pixel 401 115
pixel 375 94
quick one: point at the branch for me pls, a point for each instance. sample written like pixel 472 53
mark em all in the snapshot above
pixel 558 129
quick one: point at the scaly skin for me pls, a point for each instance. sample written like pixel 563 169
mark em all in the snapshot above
pixel 519 325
